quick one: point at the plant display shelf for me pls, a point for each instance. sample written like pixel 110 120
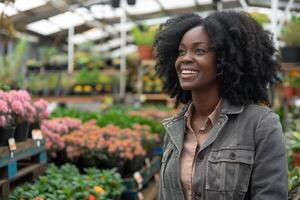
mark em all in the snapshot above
pixel 290 66
pixel 27 163
pixel 74 99
pixel 147 173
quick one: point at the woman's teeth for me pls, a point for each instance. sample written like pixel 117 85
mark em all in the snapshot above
pixel 188 72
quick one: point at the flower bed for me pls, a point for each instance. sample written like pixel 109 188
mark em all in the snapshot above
pixel 90 145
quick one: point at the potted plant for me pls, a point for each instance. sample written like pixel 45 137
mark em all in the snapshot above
pixel 144 37
pixel 290 35
pixel 293 141
pixel 38 114
pixel 7 128
pixel 10 65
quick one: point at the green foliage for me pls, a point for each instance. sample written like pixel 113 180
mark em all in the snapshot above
pixel 4 87
pixel 10 65
pixel 261 18
pixel 86 76
pixel 46 53
pixel 294 178
pixel 290 32
pixel 144 35
pixel 293 140
pixel 66 183
pixel 36 82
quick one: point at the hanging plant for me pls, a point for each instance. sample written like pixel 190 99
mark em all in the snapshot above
pixel 6 24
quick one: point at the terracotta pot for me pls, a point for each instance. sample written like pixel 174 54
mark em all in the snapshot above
pixel 288 91
pixel 145 52
pixel 297 91
pixel 296 157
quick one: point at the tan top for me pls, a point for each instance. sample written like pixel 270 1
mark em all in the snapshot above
pixel 192 142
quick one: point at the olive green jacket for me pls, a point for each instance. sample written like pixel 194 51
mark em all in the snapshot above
pixel 244 157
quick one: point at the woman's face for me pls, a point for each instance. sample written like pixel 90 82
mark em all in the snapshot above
pixel 196 62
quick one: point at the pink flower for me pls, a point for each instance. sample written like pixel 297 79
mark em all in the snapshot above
pixel 3 107
pixel 41 105
pixel 5 96
pixel 23 95
pixel 18 108
pixel 19 95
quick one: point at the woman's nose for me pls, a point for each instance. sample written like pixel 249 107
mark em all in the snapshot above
pixel 187 57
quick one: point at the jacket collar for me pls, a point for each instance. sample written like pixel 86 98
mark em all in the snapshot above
pixel 175 125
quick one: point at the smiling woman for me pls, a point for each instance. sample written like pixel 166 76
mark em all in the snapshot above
pixel 224 144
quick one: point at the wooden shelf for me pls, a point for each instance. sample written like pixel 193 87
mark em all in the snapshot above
pixel 290 66
pixel 73 99
pixel 156 97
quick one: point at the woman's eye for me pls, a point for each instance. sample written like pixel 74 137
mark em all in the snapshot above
pixel 181 52
pixel 200 51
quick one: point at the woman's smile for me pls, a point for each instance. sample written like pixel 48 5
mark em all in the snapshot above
pixel 189 73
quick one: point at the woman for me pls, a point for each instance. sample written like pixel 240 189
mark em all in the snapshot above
pixel 225 144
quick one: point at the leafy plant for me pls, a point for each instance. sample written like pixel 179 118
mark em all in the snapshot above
pixel 47 52
pixel 67 183
pixel 10 65
pixel 6 23
pixel 293 140
pixel 86 76
pixel 144 35
pixel 290 32
pixel 294 178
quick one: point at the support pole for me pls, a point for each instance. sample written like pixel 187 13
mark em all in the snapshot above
pixel 274 21
pixel 123 55
pixel 70 50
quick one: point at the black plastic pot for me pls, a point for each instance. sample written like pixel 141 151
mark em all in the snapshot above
pixel 21 132
pixel 5 134
pixel 290 54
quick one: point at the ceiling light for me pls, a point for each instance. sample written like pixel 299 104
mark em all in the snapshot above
pixel 43 27
pixel 67 20
pixel 23 5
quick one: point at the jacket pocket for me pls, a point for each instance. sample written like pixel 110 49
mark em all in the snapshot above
pixel 229 169
pixel 166 156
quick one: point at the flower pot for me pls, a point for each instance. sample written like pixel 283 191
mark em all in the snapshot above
pixel 5 134
pixel 21 132
pixel 296 158
pixel 145 52
pixel 288 91
pixel 290 54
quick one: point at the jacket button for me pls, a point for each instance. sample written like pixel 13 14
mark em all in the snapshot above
pixel 232 156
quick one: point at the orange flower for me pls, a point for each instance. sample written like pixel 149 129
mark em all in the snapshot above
pixel 99 189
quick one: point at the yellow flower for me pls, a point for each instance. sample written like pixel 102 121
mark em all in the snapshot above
pixel 99 189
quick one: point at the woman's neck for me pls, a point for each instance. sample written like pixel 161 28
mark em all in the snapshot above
pixel 205 102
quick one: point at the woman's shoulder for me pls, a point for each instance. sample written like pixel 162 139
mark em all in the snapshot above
pixel 259 110
pixel 259 115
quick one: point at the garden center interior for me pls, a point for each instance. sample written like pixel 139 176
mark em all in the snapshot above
pixel 81 106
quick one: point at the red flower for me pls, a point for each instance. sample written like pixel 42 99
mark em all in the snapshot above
pixel 92 197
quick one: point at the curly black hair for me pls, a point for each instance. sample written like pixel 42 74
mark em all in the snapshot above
pixel 244 52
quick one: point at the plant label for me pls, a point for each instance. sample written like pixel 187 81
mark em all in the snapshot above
pixel 12 144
